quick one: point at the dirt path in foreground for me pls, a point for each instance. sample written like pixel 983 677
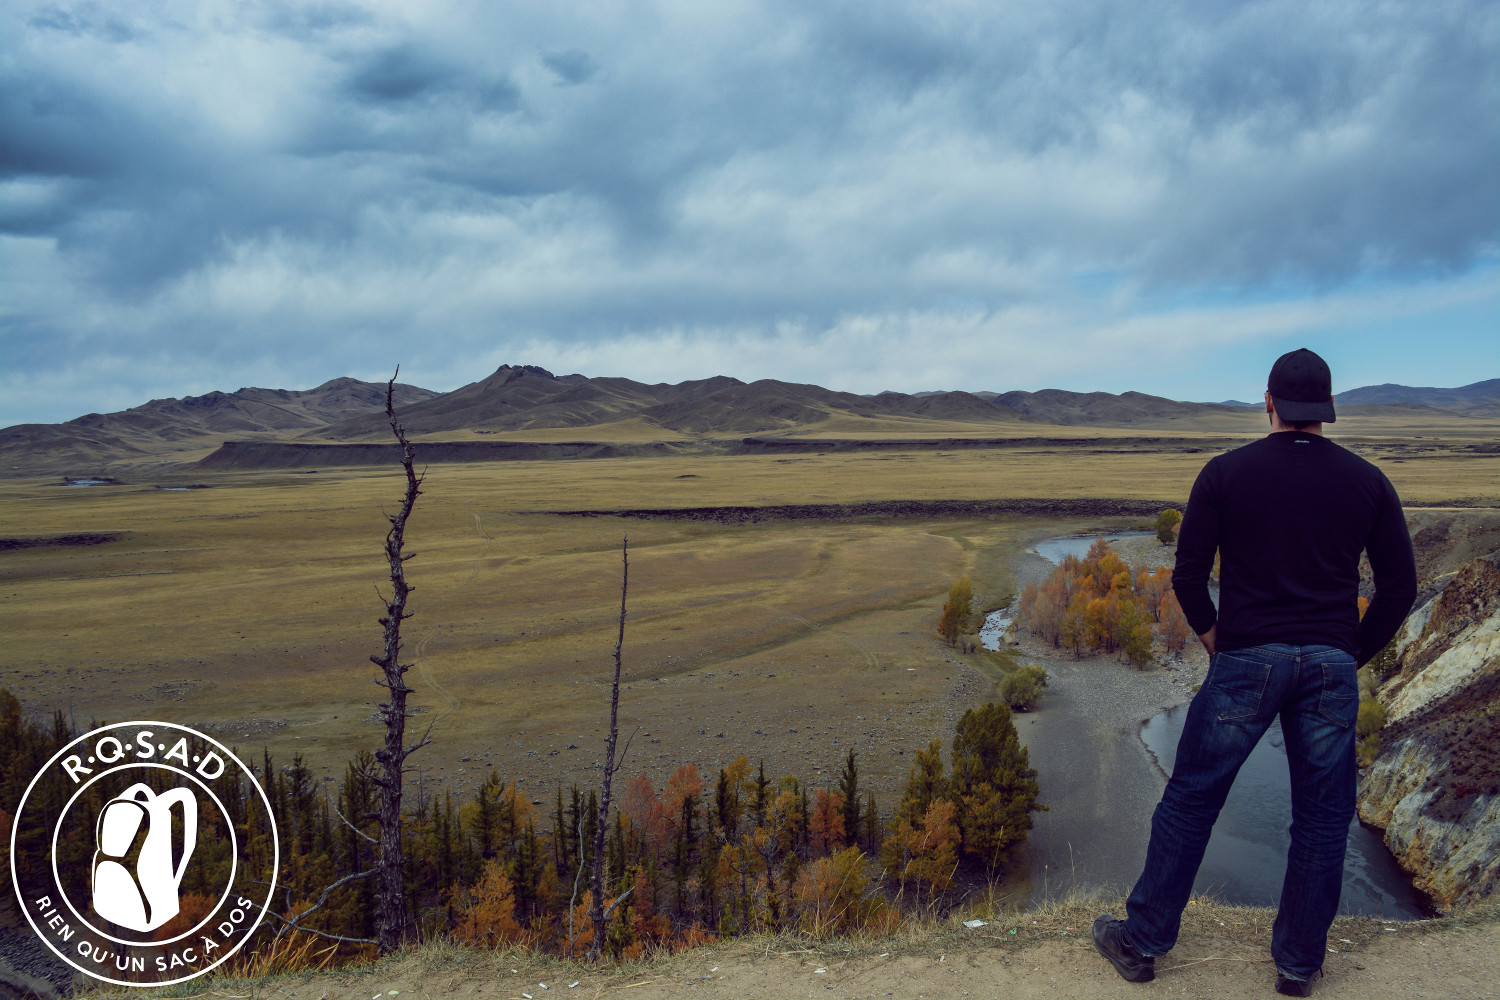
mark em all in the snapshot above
pixel 1435 960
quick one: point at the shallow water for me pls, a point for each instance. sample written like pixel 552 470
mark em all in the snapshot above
pixel 995 624
pixel 1055 550
pixel 1246 855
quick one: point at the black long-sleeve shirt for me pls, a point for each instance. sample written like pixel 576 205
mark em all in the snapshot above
pixel 1289 515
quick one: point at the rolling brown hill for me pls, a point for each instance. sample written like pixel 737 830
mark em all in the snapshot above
pixel 1478 399
pixel 1103 409
pixel 769 405
pixel 164 427
pixel 524 398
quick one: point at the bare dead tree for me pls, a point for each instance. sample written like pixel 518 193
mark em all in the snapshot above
pixel 598 913
pixel 390 893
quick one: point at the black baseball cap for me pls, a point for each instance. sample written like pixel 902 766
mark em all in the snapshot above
pixel 1301 387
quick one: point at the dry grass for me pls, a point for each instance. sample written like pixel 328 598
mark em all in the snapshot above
pixel 250 606
pixel 1211 932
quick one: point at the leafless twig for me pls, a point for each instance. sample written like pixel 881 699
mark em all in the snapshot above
pixel 353 827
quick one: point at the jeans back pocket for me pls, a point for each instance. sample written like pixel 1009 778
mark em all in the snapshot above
pixel 1339 700
pixel 1236 685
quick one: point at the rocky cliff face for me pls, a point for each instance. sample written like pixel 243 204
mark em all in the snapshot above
pixel 1435 786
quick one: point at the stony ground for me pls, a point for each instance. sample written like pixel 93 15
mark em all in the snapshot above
pixel 1222 953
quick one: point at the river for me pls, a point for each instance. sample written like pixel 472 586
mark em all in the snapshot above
pixel 1101 770
pixel 1247 853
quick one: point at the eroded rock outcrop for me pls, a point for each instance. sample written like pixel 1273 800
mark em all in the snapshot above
pixel 1435 785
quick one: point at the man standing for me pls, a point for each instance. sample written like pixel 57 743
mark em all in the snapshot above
pixel 1289 516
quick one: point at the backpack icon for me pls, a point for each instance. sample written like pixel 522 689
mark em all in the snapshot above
pixel 138 823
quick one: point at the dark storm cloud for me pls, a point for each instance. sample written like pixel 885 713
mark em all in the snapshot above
pixel 256 181
pixel 87 19
pixel 572 66
pixel 398 74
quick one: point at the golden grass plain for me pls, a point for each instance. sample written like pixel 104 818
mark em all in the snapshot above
pixel 249 607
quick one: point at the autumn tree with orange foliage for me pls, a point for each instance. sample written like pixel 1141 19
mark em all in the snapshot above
pixel 1175 630
pixel 486 912
pixel 1153 589
pixel 1097 605
pixel 826 828
pixel 923 849
pixel 831 893
pixel 957 611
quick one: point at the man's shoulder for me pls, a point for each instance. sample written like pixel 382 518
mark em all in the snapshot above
pixel 1271 451
pixel 1337 453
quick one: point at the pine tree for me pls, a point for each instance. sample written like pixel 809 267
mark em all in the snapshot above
pixel 487 815
pixel 708 881
pixel 562 854
pixel 760 799
pixel 924 782
pixel 590 828
pixel 726 806
pixel 849 788
pixel 993 784
pixel 526 870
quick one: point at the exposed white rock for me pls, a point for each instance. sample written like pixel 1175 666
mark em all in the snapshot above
pixel 1475 649
pixel 1435 785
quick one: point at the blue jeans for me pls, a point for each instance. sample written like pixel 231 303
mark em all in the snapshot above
pixel 1316 693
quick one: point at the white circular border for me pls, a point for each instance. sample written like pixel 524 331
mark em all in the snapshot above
pixel 230 755
pixel 234 866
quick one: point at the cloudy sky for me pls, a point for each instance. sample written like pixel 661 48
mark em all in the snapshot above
pixel 988 195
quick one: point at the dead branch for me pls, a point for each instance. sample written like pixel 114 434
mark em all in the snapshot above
pixel 573 900
pixel 625 749
pixel 295 921
pixel 322 934
pixel 355 828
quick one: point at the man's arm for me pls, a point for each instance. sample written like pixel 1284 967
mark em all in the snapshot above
pixel 1395 573
pixel 1197 542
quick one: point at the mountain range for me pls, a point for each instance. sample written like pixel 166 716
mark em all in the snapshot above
pixel 1480 399
pixel 521 398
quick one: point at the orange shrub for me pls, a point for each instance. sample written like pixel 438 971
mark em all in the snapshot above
pixel 486 913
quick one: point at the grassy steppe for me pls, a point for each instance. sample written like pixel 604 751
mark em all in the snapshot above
pixel 249 606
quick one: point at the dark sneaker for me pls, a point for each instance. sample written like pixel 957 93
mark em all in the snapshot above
pixel 1287 986
pixel 1109 940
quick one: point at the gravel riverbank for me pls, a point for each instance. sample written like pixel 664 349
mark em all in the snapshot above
pixel 1098 781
